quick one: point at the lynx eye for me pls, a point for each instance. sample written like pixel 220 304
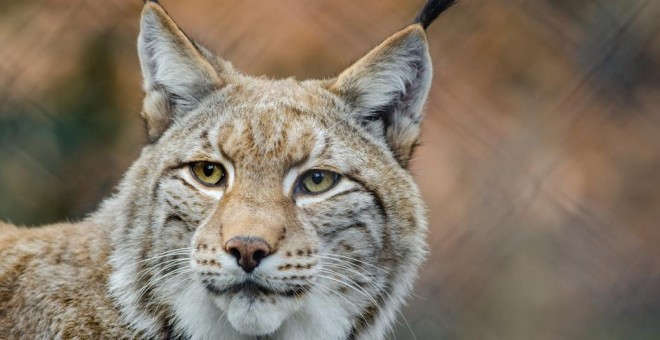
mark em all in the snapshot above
pixel 318 181
pixel 208 173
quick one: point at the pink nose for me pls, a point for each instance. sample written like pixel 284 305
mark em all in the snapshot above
pixel 248 251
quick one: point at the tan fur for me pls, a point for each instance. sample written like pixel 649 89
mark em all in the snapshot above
pixel 52 281
pixel 152 261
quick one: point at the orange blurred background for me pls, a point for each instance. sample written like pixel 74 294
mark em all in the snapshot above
pixel 540 156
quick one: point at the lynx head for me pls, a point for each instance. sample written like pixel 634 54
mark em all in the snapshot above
pixel 270 207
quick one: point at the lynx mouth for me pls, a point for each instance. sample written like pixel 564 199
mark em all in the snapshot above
pixel 257 309
pixel 253 289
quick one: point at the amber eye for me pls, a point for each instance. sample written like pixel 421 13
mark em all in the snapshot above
pixel 208 173
pixel 317 181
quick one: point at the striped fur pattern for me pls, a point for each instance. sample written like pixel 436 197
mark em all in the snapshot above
pixel 153 261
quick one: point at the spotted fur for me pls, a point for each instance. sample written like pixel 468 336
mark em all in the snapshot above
pixel 153 261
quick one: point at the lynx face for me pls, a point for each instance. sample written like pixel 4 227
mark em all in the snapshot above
pixel 294 214
pixel 270 207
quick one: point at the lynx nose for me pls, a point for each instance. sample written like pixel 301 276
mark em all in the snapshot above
pixel 248 251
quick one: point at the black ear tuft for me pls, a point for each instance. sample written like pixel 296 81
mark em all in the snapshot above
pixel 431 10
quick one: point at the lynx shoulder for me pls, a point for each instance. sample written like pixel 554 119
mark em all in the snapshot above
pixel 277 209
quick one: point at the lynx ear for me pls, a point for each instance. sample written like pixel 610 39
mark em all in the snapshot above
pixel 387 88
pixel 177 73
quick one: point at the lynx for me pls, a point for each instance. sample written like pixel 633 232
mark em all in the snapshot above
pixel 270 209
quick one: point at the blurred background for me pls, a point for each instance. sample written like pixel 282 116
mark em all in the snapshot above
pixel 540 156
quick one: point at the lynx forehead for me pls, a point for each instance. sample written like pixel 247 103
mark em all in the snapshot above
pixel 277 209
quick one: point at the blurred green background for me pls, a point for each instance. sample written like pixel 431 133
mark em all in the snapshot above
pixel 540 156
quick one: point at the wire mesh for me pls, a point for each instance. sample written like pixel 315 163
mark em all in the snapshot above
pixel 540 153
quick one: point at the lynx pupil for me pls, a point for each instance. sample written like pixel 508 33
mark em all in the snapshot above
pixel 208 169
pixel 317 177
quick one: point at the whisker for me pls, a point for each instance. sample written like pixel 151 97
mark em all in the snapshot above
pixel 152 281
pixel 179 251
pixel 166 282
pixel 407 325
pixel 355 307
pixel 343 264
pixel 369 280
pixel 155 276
pixel 357 289
pixel 166 265
pixel 340 257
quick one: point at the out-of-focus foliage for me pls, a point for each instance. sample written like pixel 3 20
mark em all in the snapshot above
pixel 540 158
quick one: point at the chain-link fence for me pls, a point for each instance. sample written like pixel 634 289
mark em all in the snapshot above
pixel 540 157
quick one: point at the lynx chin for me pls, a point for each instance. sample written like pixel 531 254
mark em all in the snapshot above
pixel 270 209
